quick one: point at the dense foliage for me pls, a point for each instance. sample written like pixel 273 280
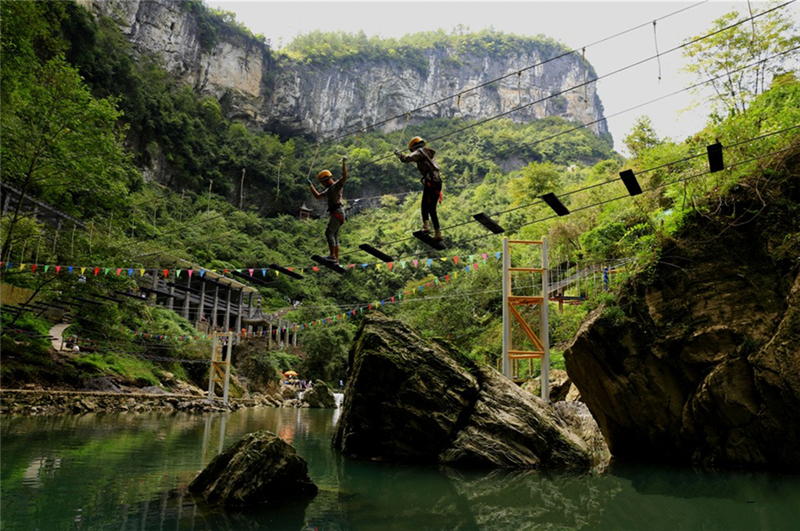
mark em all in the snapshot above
pixel 80 114
pixel 340 48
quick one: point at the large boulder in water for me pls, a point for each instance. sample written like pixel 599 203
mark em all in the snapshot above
pixel 319 396
pixel 259 468
pixel 414 400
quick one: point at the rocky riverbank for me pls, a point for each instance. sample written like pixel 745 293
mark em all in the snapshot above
pixel 51 402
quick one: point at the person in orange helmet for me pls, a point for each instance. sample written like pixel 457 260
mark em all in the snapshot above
pixel 333 192
pixel 431 182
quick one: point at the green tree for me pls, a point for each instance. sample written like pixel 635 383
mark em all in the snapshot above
pixel 63 145
pixel 641 137
pixel 723 54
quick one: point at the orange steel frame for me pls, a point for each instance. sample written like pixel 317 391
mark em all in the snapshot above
pixel 510 304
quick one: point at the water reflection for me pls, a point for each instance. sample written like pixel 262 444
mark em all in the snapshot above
pixel 131 471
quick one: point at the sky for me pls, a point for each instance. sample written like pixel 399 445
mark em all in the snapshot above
pixel 573 23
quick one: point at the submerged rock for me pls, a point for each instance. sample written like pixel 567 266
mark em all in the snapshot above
pixel 259 468
pixel 319 396
pixel 414 400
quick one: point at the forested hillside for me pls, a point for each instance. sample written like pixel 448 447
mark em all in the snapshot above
pixel 82 115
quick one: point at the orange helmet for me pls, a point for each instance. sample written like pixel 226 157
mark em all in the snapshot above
pixel 414 141
pixel 324 175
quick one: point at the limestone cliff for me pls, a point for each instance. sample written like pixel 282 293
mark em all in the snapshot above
pixel 705 366
pixel 275 93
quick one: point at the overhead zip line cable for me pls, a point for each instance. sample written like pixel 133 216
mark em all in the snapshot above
pixel 597 121
pixel 586 83
pixel 515 72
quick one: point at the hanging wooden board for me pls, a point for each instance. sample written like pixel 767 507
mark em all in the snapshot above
pixel 425 237
pixel 329 264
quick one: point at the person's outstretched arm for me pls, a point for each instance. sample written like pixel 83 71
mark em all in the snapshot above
pixel 314 192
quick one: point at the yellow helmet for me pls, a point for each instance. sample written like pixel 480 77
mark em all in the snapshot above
pixel 324 175
pixel 414 141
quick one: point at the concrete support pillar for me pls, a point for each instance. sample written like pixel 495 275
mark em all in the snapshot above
pixel 202 309
pixel 250 312
pixel 239 316
pixel 227 321
pixel 214 321
pixel 187 297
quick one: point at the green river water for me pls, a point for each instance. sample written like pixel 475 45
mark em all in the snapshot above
pixel 130 472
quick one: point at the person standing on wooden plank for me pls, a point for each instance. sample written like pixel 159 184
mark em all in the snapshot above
pixel 333 192
pixel 431 182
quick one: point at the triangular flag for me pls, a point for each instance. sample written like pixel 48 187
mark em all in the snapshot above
pixel 107 269
pixel 225 272
pixel 497 255
pixel 178 273
pixel 455 259
pixel 96 270
pixel 58 269
pixel 415 263
pixel 290 269
pixel 314 268
pixel 392 299
pixel 202 273
pixel 472 258
pixel 391 265
pixel 363 266
pixel 377 266
pixel 484 256
pixel 447 278
pixel 403 264
pixel 70 269
pixel 9 265
pixel 263 271
pixel 166 272
pixel 141 272
pixel 436 281
pixel 46 268
pixel 119 270
pixel 476 266
pixel 190 272
pixel 420 288
pixel 33 268
pixel 239 271
pixel 130 272
pixel 21 267
pixel 251 272
pixel 429 262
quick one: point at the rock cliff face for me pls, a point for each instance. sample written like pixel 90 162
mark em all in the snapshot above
pixel 308 99
pixel 705 365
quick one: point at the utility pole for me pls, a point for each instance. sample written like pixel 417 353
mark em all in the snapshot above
pixel 280 163
pixel 241 189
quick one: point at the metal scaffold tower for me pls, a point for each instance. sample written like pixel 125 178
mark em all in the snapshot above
pixel 541 343
pixel 220 364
